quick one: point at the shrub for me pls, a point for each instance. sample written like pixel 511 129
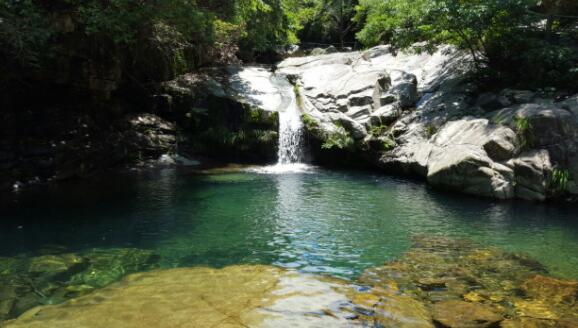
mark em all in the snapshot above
pixel 339 139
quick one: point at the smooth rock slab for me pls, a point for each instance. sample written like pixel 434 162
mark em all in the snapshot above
pixel 236 296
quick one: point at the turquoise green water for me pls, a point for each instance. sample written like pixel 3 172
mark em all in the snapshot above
pixel 337 223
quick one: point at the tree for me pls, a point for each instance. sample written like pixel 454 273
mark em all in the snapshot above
pixel 502 36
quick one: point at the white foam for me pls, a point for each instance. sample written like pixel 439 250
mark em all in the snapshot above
pixel 284 169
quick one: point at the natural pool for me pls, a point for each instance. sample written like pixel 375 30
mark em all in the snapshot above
pixel 319 221
pixel 334 223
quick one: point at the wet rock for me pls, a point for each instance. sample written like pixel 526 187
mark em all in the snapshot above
pixel 536 308
pixel 528 323
pixel 437 270
pixel 567 323
pixel 6 306
pixel 237 296
pixel 386 309
pixel 8 297
pixel 110 265
pixel 460 314
pixel 551 289
pixel 56 267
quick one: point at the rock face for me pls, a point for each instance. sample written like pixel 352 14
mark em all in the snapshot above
pixel 60 144
pixel 463 154
pixel 416 114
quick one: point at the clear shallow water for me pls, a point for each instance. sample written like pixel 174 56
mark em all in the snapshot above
pixel 337 223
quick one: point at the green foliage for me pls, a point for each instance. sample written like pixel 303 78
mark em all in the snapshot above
pixel 466 24
pixel 378 130
pixel 560 180
pixel 298 96
pixel 503 37
pixel 183 32
pixel 523 130
pixel 309 122
pixel 329 21
pixel 24 32
pixel 511 41
pixel 430 130
pixel 388 144
pixel 265 24
pixel 339 139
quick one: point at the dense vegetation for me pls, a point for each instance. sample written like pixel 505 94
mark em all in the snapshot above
pixel 517 41
pixel 513 40
pixel 186 34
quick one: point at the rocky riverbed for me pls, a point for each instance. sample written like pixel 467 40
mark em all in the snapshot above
pixel 438 282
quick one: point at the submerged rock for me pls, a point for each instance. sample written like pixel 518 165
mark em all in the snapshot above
pixel 551 289
pixel 56 267
pixel 460 314
pixel 466 285
pixel 382 308
pixel 110 265
pixel 54 278
pixel 236 296
pixel 438 282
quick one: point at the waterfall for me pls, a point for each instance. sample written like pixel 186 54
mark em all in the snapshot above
pixel 269 91
pixel 290 134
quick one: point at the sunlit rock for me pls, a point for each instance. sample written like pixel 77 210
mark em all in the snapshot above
pixel 237 296
pixel 382 308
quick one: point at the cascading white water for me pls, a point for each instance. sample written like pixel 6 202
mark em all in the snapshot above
pixel 290 134
pixel 269 91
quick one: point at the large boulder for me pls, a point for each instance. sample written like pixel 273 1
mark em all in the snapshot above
pixel 468 169
pixel 499 142
pixel 464 155
pixel 544 127
pixel 532 170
